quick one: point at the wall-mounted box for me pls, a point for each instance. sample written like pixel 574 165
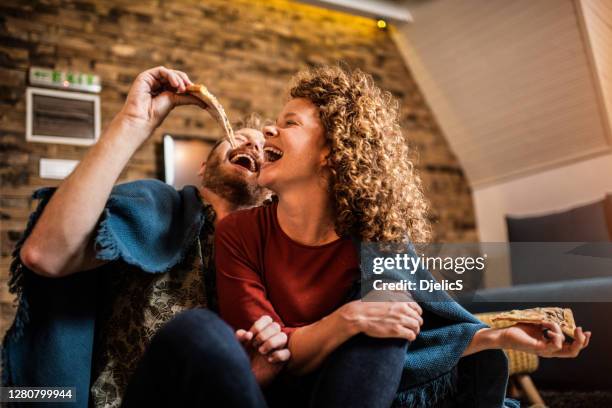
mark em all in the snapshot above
pixel 62 117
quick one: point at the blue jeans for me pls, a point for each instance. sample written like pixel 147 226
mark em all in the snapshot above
pixel 362 372
pixel 195 360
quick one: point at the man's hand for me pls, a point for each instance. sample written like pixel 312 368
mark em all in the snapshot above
pixel 154 94
pixel 266 346
pixel 545 340
pixel 62 242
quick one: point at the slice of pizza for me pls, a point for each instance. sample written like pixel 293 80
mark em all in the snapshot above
pixel 217 111
pixel 563 317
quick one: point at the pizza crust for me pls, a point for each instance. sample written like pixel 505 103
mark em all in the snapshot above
pixel 563 317
pixel 217 111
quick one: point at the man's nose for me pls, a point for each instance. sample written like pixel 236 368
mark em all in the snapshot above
pixel 270 131
pixel 254 144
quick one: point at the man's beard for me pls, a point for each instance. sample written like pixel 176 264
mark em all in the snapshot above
pixel 233 188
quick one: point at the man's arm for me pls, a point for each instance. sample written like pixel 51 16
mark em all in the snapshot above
pixel 61 242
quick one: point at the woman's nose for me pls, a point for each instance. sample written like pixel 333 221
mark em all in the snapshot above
pixel 270 131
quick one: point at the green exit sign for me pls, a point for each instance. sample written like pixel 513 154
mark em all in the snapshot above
pixel 65 79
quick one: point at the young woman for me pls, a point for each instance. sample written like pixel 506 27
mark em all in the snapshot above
pixel 339 165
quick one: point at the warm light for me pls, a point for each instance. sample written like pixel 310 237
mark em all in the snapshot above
pixel 66 83
pixel 381 24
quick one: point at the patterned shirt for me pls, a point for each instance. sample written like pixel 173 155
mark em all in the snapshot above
pixel 139 303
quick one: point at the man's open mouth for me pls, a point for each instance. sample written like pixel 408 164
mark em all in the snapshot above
pixel 245 160
pixel 272 154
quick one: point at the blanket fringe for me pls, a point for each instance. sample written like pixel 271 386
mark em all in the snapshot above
pixel 428 394
pixel 17 277
pixel 105 243
pixel 107 249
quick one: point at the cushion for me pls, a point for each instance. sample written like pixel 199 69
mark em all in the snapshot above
pixel 545 262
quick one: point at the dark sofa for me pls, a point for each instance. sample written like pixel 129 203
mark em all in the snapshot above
pixel 587 291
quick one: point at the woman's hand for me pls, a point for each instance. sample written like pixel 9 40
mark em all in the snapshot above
pixel 154 94
pixel 266 337
pixel 546 340
pixel 266 346
pixel 384 319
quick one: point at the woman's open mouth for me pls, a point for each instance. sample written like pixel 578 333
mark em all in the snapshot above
pixel 245 160
pixel 272 154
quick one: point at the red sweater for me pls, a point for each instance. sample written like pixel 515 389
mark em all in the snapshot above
pixel 261 271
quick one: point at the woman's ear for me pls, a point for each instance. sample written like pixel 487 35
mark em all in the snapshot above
pixel 325 153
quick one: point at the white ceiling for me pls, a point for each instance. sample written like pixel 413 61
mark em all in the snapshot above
pixel 518 86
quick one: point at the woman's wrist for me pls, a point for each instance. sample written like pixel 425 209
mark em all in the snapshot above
pixel 349 319
pixel 491 338
pixel 485 339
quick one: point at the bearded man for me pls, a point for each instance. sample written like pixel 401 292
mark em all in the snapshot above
pixel 101 268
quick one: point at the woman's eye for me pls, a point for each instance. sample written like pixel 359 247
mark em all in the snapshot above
pixel 291 123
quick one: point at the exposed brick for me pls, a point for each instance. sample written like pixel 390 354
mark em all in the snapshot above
pixel 244 51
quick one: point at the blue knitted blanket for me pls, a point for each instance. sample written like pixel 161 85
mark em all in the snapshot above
pixel 149 225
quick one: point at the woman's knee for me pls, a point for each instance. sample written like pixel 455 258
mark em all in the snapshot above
pixel 374 363
pixel 376 345
pixel 370 354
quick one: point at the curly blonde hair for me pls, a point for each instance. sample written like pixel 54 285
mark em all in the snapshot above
pixel 375 189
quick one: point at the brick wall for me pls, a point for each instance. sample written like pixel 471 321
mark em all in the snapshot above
pixel 244 50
